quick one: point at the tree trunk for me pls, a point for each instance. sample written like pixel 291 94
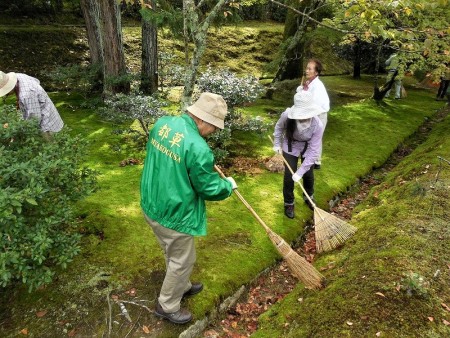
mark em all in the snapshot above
pixel 116 80
pixel 149 72
pixel 357 60
pixel 296 26
pixel 199 32
pixel 291 66
pixel 91 14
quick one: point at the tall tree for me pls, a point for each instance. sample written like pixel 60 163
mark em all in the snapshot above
pixel 197 22
pixel 91 14
pixel 149 71
pixel 295 36
pixel 116 80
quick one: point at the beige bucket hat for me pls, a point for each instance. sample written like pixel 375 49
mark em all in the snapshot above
pixel 304 107
pixel 211 108
pixel 7 82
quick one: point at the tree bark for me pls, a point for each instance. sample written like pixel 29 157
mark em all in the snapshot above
pixel 291 66
pixel 296 25
pixel 91 14
pixel 357 60
pixel 149 71
pixel 199 33
pixel 115 67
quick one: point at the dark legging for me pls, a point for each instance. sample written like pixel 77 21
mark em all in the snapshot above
pixel 288 183
pixel 442 89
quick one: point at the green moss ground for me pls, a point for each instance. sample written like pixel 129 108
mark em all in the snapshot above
pixel 402 231
pixel 120 252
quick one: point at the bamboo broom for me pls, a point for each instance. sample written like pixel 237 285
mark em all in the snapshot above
pixel 329 230
pixel 299 266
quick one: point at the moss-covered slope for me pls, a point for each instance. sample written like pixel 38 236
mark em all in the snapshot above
pixel 392 278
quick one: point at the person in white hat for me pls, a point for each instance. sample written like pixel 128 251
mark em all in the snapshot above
pixel 32 100
pixel 298 135
pixel 314 85
pixel 177 178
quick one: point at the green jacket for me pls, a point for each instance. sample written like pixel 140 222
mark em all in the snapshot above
pixel 179 175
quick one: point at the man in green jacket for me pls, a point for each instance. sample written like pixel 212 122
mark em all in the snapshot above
pixel 177 178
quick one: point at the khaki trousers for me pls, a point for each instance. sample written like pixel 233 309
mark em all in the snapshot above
pixel 179 252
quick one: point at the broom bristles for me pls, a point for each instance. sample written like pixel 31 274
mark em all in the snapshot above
pixel 299 266
pixel 330 231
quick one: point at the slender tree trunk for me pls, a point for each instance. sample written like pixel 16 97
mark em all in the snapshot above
pixel 199 33
pixel 291 66
pixel 91 14
pixel 357 60
pixel 149 72
pixel 296 26
pixel 115 67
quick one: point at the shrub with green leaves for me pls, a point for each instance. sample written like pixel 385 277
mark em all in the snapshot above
pixel 123 109
pixel 236 91
pixel 40 180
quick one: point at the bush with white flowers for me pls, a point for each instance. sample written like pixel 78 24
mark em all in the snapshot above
pixel 236 91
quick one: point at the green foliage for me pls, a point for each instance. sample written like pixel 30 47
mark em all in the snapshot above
pixel 124 109
pixel 40 180
pixel 77 78
pixel 169 73
pixel 235 91
pixel 414 285
pixel 404 25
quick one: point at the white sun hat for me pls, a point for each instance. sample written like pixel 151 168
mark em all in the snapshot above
pixel 7 82
pixel 304 107
pixel 211 108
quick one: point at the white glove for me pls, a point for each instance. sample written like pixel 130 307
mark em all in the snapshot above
pixel 233 183
pixel 277 149
pixel 299 89
pixel 296 177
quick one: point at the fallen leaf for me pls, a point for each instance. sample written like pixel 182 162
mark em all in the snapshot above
pixel 41 313
pixel 234 325
pixel 211 333
pixel 446 322
pixel 445 306
pixel 349 323
pixel 71 333
pixel 5 125
pixel 300 300
pixel 24 331
pixel 145 329
pixel 431 319
pixel 378 334
pixel 380 294
pixel 398 287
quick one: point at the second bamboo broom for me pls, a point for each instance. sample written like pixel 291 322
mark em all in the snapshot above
pixel 329 230
pixel 299 266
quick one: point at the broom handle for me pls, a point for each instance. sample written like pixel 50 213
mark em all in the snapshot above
pixel 292 172
pixel 238 194
pixel 303 77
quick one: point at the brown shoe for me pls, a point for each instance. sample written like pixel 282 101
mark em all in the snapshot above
pixel 195 288
pixel 182 316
